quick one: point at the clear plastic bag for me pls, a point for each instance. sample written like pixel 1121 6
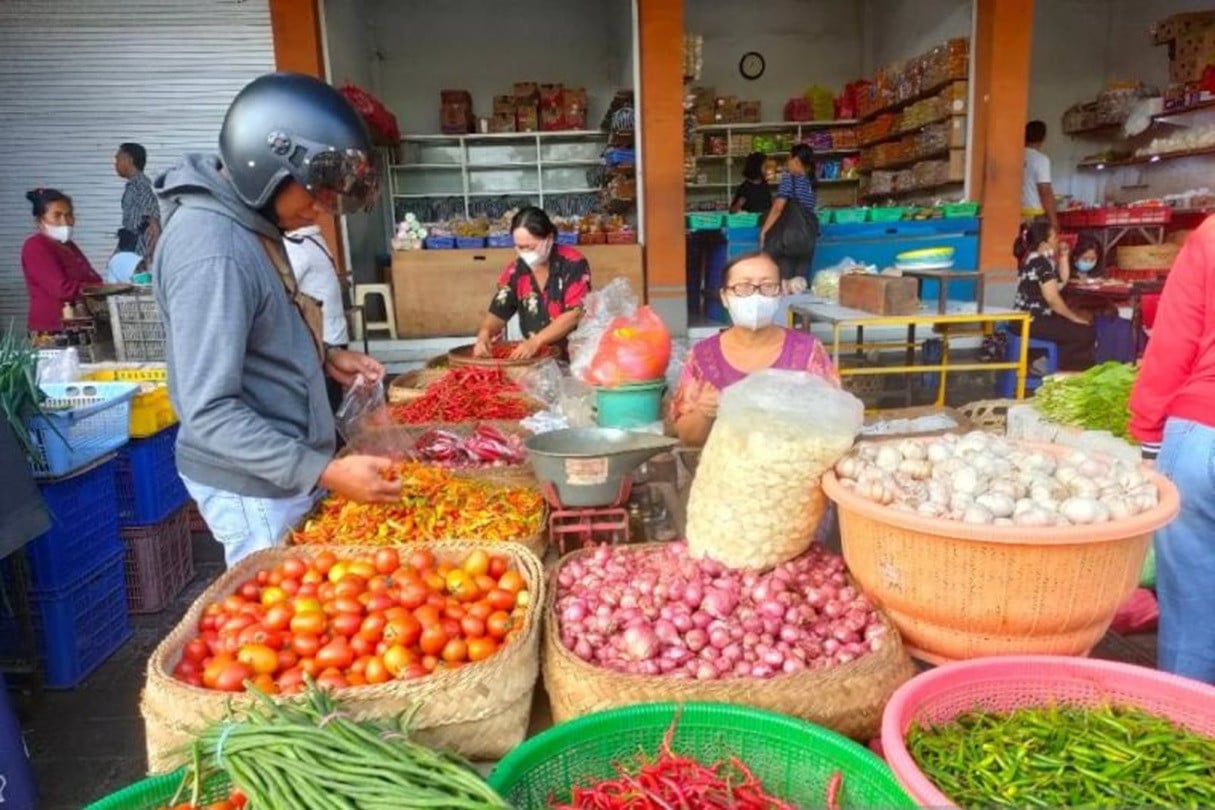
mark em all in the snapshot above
pixel 58 365
pixel 599 309
pixel 542 382
pixel 756 499
pixel 364 422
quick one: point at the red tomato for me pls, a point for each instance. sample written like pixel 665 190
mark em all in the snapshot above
pixel 429 662
pixel 196 650
pixel 234 625
pixel 335 655
pixel 387 560
pixel 347 604
pixel 350 585
pixel 422 559
pixel 324 561
pixel 362 646
pixel 472 627
pixel 498 566
pixel 309 666
pixel 433 639
pixel 278 617
pixel 451 627
pixel 485 583
pixel 290 586
pixel 499 624
pixel 294 568
pixel 455 611
pixel 331 679
pixel 372 627
pixel 232 603
pixel 404 630
pixel 287 659
pixel 480 610
pixel 413 596
pixel 414 671
pixel 250 590
pixel 305 645
pixel 481 648
pixel 257 634
pixel 232 677
pixel 346 624
pixel 291 681
pixel 500 599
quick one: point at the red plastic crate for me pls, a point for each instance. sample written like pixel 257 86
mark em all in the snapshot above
pixel 1074 219
pixel 1131 274
pixel 159 562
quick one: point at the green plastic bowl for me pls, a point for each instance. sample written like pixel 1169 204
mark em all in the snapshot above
pixel 155 792
pixel 792 758
pixel 629 406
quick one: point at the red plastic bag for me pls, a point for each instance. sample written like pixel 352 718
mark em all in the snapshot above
pixel 633 349
pixel 1138 614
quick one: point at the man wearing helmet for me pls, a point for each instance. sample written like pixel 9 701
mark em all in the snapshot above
pixel 245 352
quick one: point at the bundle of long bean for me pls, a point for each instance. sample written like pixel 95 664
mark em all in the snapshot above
pixel 1066 756
pixel 310 754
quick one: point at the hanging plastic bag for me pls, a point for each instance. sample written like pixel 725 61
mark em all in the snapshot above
pixel 364 421
pixel 756 499
pixel 633 350
pixel 599 309
pixel 542 382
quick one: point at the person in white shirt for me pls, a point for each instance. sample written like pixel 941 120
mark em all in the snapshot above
pixel 316 274
pixel 1037 196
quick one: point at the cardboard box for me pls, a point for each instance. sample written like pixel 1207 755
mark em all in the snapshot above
pixel 527 118
pixel 551 96
pixel 574 104
pixel 881 295
pixel 552 119
pixel 1179 25
pixel 749 112
pixel 504 104
pixel 526 92
pixel 502 122
pixel 1191 54
pixel 456 112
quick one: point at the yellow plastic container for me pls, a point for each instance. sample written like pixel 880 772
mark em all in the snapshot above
pixel 130 372
pixel 151 410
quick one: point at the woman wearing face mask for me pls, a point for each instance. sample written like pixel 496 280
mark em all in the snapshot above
pixel 1086 258
pixel 751 293
pixel 545 285
pixel 1045 268
pixel 56 271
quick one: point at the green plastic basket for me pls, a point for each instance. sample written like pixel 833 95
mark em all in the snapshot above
pixel 704 222
pixel 851 216
pixel 155 792
pixel 892 213
pixel 792 758
pixel 824 216
pixel 742 220
pixel 960 210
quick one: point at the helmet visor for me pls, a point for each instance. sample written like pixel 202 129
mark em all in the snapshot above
pixel 343 182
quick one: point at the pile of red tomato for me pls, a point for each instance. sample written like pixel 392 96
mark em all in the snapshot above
pixel 235 801
pixel 350 622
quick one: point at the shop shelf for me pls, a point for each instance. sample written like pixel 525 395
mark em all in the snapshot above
pixel 159 561
pixel 76 627
pixel 149 488
pixel 84 527
pixel 1146 159
pixel 82 423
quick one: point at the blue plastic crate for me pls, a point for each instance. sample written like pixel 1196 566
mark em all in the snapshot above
pixel 149 488
pixel 744 234
pixel 470 242
pixel 567 237
pixel 503 241
pixel 76 628
pixel 84 421
pixel 440 242
pixel 84 527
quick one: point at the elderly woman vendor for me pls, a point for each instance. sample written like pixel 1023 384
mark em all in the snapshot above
pixel 751 292
pixel 545 285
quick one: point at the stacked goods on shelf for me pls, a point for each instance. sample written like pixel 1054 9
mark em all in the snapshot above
pixel 1111 108
pixel 379 663
pixel 456 112
pixel 731 110
pixel 72 584
pixel 527 106
pixel 1191 41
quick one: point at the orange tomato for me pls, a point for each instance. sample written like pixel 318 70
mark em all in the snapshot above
pixel 312 577
pixel 324 561
pixel 428 615
pixel 294 568
pixel 481 648
pixel 309 622
pixel 460 584
pixel 434 580
pixel 501 599
pixel 472 627
pixel 348 604
pixel 263 660
pixel 375 671
pixel 362 569
pixel 476 563
pixel 305 604
pixel 335 655
pixel 397 659
pixel 485 583
pixel 422 559
pixel 480 610
pixel 331 679
pixel 273 595
pixel 350 585
pixel 455 651
pixel 432 640
pixel 404 630
pixel 338 571
pixel 512 581
pixel 265 682
pixel 356 679
pixel 278 617
pixel 387 560
pixel 372 627
pixel 499 624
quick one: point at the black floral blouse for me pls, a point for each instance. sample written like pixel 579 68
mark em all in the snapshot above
pixel 1036 271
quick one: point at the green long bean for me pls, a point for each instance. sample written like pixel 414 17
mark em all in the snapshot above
pixel 1066 756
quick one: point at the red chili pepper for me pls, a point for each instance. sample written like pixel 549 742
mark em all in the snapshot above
pixel 833 790
pixel 466 395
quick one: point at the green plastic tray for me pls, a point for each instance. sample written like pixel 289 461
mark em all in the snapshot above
pixel 824 216
pixel 742 220
pixel 155 792
pixel 887 214
pixel 794 759
pixel 960 210
pixel 704 222
pixel 851 216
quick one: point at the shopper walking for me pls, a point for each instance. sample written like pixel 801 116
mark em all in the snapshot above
pixel 140 209
pixel 791 229
pixel 1173 416
pixel 246 355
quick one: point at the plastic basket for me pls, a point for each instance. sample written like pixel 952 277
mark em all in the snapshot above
pixel 500 241
pixel 159 562
pixel 960 210
pixel 850 216
pixel 629 406
pixel 567 237
pixel 127 372
pixel 745 235
pixel 824 216
pixel 440 242
pixel 77 627
pixel 149 488
pixel 84 527
pixel 84 421
pixel 151 412
pixel 704 222
pixel 887 214
pixel 139 332
pixel 156 792
pixel 1010 682
pixel 742 220
pixel 794 759
pixel 470 242
pixel 622 238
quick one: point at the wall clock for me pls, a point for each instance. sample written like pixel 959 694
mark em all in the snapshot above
pixel 751 66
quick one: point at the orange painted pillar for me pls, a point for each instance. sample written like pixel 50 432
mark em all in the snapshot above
pixel 1003 40
pixel 660 26
pixel 296 26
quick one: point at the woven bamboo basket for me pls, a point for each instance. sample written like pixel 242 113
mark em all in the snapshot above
pixel 463 356
pixel 990 415
pixel 848 698
pixel 480 711
pixel 1147 257
pixel 412 384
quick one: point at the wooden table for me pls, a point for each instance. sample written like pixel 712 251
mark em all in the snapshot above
pixel 943 277
pixel 959 314
pixel 1116 294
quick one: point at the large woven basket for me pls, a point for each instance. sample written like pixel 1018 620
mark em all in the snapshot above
pixel 1007 683
pixel 412 384
pixel 480 710
pixel 463 356
pixel 957 590
pixel 847 698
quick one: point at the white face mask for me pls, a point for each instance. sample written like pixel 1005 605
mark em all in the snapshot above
pixel 60 233
pixel 753 312
pixel 1084 265
pixel 540 254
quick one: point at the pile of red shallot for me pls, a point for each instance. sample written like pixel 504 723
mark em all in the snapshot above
pixel 657 611
pixel 485 446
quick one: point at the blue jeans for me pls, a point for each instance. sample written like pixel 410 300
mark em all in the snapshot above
pixel 244 525
pixel 1185 554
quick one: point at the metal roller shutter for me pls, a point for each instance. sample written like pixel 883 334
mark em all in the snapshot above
pixel 78 78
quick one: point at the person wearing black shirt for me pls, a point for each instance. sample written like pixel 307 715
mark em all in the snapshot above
pixel 752 195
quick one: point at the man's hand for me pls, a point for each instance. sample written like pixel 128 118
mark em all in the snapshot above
pixel 482 348
pixel 705 401
pixel 360 478
pixel 527 349
pixel 344 366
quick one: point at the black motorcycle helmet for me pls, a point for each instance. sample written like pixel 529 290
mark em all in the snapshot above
pixel 288 125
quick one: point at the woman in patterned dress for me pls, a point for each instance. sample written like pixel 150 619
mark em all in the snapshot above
pixel 545 286
pixel 751 292
pixel 1045 269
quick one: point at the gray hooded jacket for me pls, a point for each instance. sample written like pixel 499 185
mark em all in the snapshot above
pixel 244 374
